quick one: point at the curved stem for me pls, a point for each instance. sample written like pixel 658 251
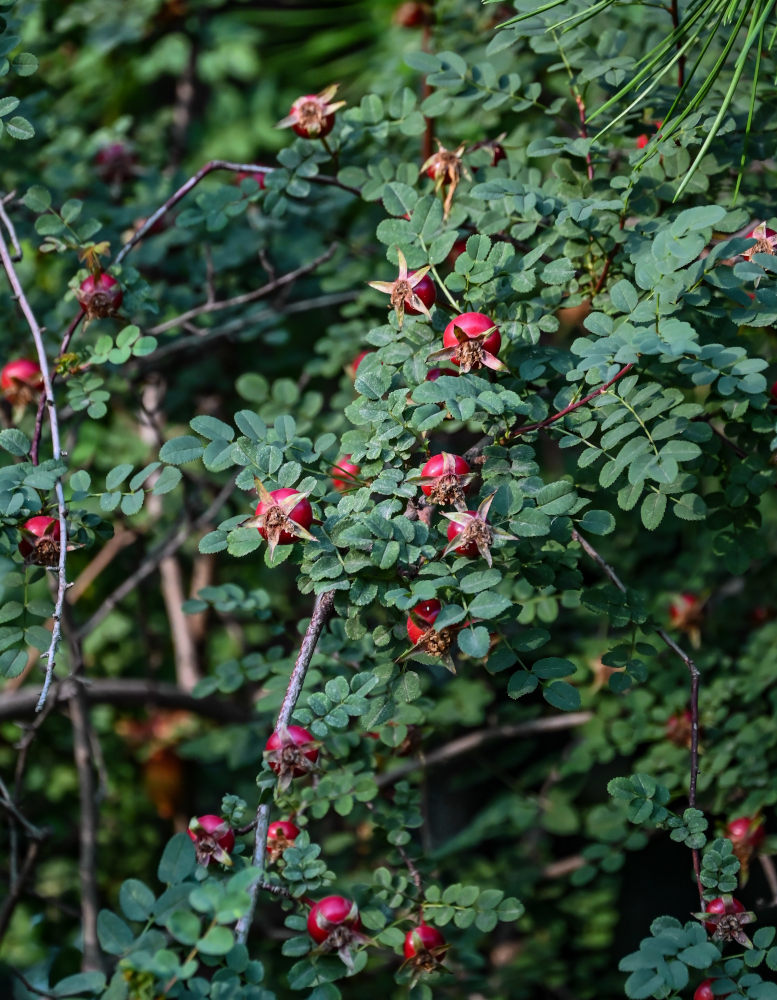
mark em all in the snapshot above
pixel 322 612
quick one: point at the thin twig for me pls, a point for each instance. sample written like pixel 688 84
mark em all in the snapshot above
pixel 194 180
pixel 48 395
pixel 88 819
pixel 126 692
pixel 693 671
pixel 322 611
pixel 8 804
pixel 583 130
pixel 572 406
pixel 17 886
pixel 473 741
pixel 17 250
pixel 171 544
pixel 28 985
pixel 241 300
pixel 199 337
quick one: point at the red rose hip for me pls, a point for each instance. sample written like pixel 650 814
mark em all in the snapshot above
pixel 471 342
pixel 291 751
pixel 282 516
pixel 704 991
pixel 20 379
pixel 313 115
pixel 100 295
pixel 426 292
pixel 344 473
pixel 40 540
pixel 422 938
pixel 280 835
pixel 445 479
pixel 723 907
pixel 213 839
pixel 422 614
pixel 333 922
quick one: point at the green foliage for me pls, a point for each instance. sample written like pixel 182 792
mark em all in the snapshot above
pixel 627 442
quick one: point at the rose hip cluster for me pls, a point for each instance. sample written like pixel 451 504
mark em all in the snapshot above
pixel 333 922
pixel 445 479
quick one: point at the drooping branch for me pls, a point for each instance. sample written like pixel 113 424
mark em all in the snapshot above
pixel 322 612
pixel 48 396
pixel 194 180
pixel 693 672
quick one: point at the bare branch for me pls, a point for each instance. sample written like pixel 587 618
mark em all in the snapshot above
pixel 17 886
pixel 88 820
pixel 126 693
pixel 473 741
pixel 48 395
pixel 17 250
pixel 241 300
pixel 693 671
pixel 198 337
pixel 568 409
pixel 194 180
pixel 322 611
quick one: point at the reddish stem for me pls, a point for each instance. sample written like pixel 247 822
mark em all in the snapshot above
pixel 584 133
pixel 568 409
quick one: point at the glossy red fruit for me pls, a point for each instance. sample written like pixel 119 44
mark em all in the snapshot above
pixel 213 839
pixel 454 530
pixel 354 365
pixel 704 991
pixel 333 917
pixel 301 514
pixel 280 835
pixel 473 324
pixel 40 540
pixel 748 831
pixel 313 115
pixel 291 752
pixel 642 141
pixel 211 824
pixel 255 175
pixel 282 828
pixel 427 612
pixel 458 248
pixel 100 296
pixel 496 149
pixel 426 292
pixel 422 938
pixel 773 392
pixel 437 467
pixel 21 370
pixel 723 907
pixel 434 373
pixel 20 379
pixel 344 467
